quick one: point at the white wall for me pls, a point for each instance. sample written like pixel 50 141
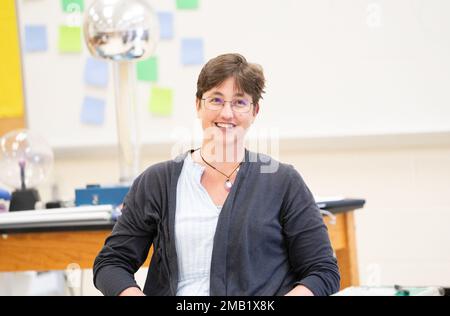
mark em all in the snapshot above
pixel 342 67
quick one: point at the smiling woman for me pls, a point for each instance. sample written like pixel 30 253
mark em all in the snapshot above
pixel 220 221
pixel 229 77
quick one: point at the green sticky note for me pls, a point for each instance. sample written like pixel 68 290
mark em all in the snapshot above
pixel 147 70
pixel 187 4
pixel 69 39
pixel 72 5
pixel 161 101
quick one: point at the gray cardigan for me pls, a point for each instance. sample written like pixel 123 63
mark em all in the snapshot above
pixel 270 235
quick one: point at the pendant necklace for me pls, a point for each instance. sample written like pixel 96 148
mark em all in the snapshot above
pixel 228 184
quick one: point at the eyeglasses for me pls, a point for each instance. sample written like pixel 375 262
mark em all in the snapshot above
pixel 241 105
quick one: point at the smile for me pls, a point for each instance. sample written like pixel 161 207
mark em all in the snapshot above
pixel 225 125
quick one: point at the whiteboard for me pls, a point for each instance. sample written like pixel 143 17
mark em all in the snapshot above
pixel 333 68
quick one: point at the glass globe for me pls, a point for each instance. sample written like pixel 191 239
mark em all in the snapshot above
pixel 25 159
pixel 121 30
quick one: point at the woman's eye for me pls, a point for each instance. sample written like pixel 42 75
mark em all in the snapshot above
pixel 241 102
pixel 216 100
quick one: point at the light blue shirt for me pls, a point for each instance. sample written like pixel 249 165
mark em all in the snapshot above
pixel 195 225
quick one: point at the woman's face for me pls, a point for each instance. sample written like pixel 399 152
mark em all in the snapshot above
pixel 225 126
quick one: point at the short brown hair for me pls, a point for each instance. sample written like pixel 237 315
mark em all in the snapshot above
pixel 249 77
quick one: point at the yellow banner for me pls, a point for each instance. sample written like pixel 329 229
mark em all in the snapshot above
pixel 11 97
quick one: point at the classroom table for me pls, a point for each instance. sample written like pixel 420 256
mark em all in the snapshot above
pixel 56 249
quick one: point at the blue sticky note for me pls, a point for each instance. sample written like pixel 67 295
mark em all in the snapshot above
pixel 165 25
pixel 35 38
pixel 192 51
pixel 96 72
pixel 93 111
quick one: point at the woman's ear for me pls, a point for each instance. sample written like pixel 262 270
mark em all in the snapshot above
pixel 198 106
pixel 256 109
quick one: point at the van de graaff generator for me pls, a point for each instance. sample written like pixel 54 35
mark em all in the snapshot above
pixel 124 32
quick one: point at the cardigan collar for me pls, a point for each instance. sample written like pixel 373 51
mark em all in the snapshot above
pixel 218 271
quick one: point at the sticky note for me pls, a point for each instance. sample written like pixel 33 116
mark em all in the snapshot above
pixel 35 38
pixel 187 4
pixel 72 5
pixel 69 39
pixel 96 72
pixel 161 101
pixel 93 111
pixel 192 51
pixel 147 70
pixel 165 25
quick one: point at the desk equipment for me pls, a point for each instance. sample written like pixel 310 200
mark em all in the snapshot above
pixel 338 203
pixel 35 220
pixel 391 291
pixel 123 31
pixel 98 195
pixel 5 197
pixel 25 161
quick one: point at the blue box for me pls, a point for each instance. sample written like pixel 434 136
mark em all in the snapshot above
pixel 96 195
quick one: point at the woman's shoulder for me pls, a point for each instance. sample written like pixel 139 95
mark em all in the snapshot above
pixel 280 175
pixel 158 175
pixel 165 167
pixel 270 165
pixel 161 171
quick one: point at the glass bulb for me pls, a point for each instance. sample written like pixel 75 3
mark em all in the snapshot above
pixel 25 159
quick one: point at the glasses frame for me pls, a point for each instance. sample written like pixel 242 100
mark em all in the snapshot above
pixel 224 101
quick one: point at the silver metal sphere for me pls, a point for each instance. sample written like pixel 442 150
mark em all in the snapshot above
pixel 121 30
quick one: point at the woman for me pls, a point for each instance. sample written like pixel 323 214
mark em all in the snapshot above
pixel 222 220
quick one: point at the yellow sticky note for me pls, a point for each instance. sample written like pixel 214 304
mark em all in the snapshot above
pixel 161 101
pixel 69 39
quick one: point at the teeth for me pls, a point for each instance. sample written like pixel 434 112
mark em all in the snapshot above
pixel 224 125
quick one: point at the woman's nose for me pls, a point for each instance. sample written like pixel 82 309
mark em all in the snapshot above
pixel 226 111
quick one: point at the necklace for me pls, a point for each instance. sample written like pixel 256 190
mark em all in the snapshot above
pixel 228 184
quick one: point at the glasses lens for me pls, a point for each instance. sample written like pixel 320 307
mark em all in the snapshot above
pixel 214 103
pixel 237 105
pixel 241 105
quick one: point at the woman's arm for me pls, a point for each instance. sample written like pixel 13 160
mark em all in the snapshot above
pixel 300 290
pixel 132 291
pixel 309 246
pixel 126 249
